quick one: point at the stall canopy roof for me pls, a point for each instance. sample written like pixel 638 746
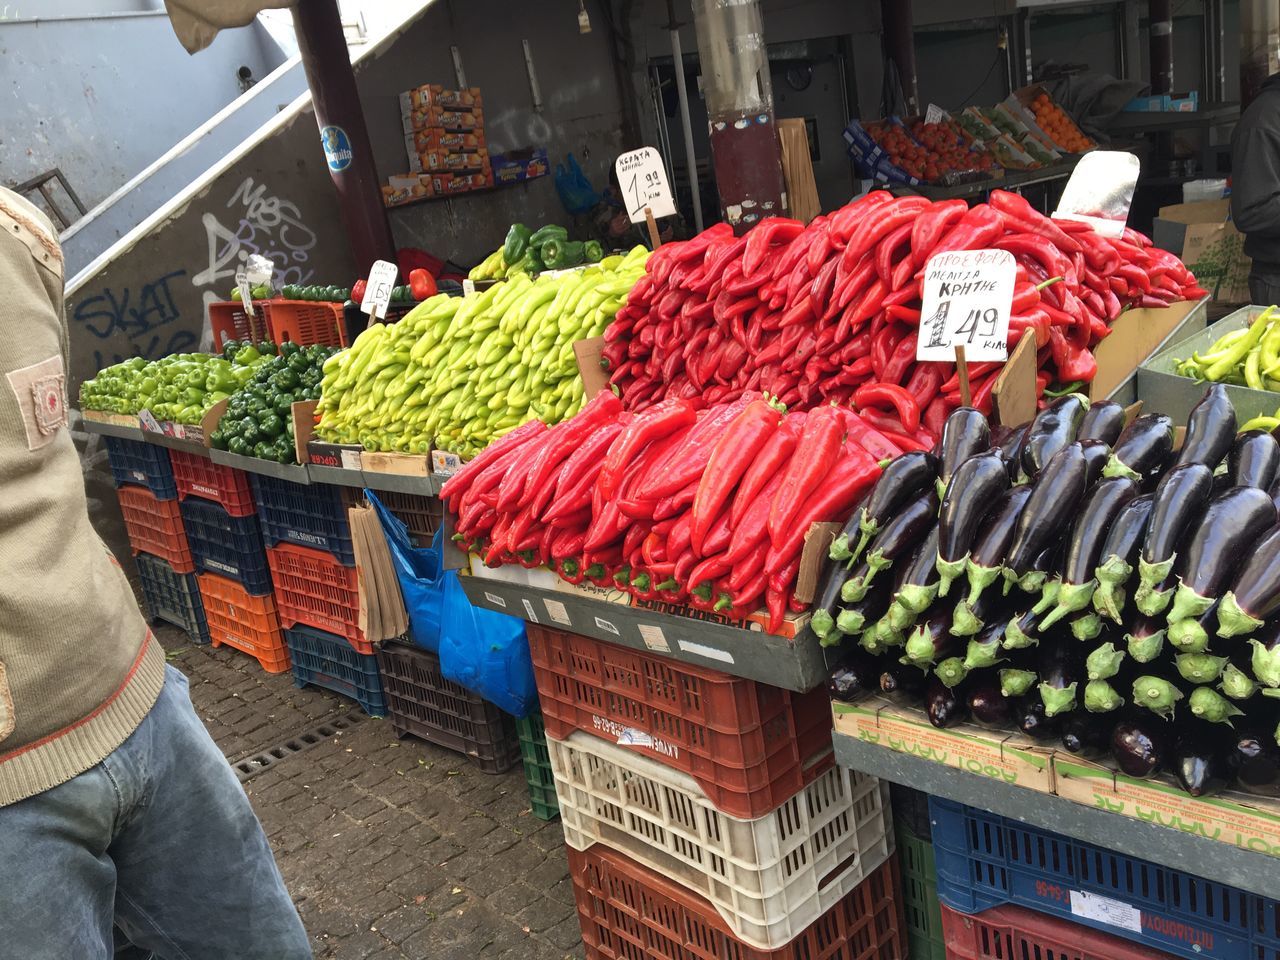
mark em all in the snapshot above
pixel 197 22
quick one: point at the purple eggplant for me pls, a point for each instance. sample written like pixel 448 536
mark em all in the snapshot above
pixel 1051 508
pixel 917 585
pixel 970 619
pixel 943 705
pixel 1061 668
pixel 1274 491
pixel 931 640
pixel 974 486
pixel 1199 757
pixel 856 674
pixel 1255 592
pixel 898 538
pixel 1157 694
pixel 1140 745
pixel 1085 546
pixel 1265 658
pixel 1022 631
pixel 1029 717
pixel 965 434
pixel 1087 734
pixel 901 481
pixel 985 650
pixel 903 681
pixel 1145 638
pixel 988 705
pixel 1180 499
pixel 1211 429
pixel 1096 454
pixel 1011 450
pixel 1253 757
pixel 853 618
pixel 1230 527
pixel 1053 428
pixel 1254 460
pixel 993 539
pixel 1142 449
pixel 1120 554
pixel 1103 421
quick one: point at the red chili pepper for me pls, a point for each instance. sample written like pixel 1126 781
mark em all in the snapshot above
pixel 888 247
pixel 1073 362
pixel 931 226
pixel 975 230
pixel 499 448
pixel 902 359
pixel 890 394
pixel 762 236
pixel 733 454
pixel 1026 217
pixel 571 569
pixel 905 314
pixel 749 593
pixel 878 223
pixel 867 437
pixel 422 284
pixel 925 382
pixel 819 442
pixel 776 602
pixel 652 424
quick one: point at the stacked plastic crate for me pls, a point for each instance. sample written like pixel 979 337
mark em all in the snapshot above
pixel 312 564
pixel 705 815
pixel 148 496
pixel 221 522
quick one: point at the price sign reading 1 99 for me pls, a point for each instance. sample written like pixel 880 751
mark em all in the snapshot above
pixel 644 184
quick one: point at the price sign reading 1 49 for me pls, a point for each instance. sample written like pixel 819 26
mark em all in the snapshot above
pixel 644 184
pixel 965 303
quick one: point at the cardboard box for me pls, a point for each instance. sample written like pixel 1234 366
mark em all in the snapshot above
pixel 448 183
pixel 344 456
pixel 1007 757
pixel 117 419
pixel 447 141
pixel 444 463
pixel 400 464
pixel 422 118
pixel 1203 236
pixel 448 161
pixel 407 188
pixel 522 165
pixel 1165 103
pixel 1242 820
pixel 431 95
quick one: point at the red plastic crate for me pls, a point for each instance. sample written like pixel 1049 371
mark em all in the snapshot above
pixel 629 912
pixel 229 321
pixel 306 322
pixel 312 587
pixel 745 743
pixel 155 527
pixel 1014 933
pixel 244 621
pixel 198 476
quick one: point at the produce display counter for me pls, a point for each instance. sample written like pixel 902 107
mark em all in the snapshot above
pixel 1012 180
pixel 337 476
pixel 792 663
pixel 1210 115
pixel 427 486
pixel 1232 838
pixel 125 428
pixel 294 473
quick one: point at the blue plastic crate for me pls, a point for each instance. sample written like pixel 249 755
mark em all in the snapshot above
pixel 143 465
pixel 172 597
pixel 309 515
pixel 226 545
pixel 327 660
pixel 984 860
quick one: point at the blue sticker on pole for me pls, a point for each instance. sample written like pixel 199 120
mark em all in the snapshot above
pixel 337 148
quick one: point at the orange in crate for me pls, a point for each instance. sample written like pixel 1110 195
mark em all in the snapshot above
pixel 745 743
pixel 155 527
pixel 306 322
pixel 229 320
pixel 628 912
pixel 313 588
pixel 242 620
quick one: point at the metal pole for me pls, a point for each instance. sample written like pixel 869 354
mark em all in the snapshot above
pixel 1161 45
pixel 1259 45
pixel 342 130
pixel 690 159
pixel 897 22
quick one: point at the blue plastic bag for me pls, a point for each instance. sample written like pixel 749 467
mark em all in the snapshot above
pixel 486 652
pixel 575 189
pixel 419 570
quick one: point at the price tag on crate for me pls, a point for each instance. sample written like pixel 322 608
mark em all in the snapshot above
pixel 644 184
pixel 967 298
pixel 246 291
pixel 377 291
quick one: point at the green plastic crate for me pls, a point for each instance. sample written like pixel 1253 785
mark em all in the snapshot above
pixel 537 768
pixel 920 896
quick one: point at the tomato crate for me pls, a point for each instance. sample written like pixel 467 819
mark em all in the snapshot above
pixel 228 320
pixel 244 621
pixel 423 703
pixel 306 322
pixel 422 515
pixel 537 767
pixel 919 892
pixel 142 464
pixel 172 597
pixel 315 589
pixel 1012 933
pixel 155 527
pixel 323 660
pixel 198 476
pixel 313 515
pixel 747 744
pixel 226 545
pixel 768 877
pixel 986 861
pixel 629 912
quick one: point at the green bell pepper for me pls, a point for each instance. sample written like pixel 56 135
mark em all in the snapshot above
pixel 516 243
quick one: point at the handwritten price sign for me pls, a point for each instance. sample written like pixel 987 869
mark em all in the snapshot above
pixel 377 291
pixel 966 302
pixel 644 184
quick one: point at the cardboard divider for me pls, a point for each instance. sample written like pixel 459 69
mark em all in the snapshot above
pixel 400 464
pixel 590 354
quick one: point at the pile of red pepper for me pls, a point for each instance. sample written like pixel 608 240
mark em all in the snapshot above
pixel 830 311
pixel 700 505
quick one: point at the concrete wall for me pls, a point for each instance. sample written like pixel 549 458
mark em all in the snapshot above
pixel 103 96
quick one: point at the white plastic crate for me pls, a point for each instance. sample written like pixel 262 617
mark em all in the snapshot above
pixel 769 878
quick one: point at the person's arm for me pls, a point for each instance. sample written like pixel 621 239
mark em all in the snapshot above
pixel 1255 181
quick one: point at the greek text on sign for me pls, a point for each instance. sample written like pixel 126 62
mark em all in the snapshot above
pixel 246 291
pixel 967 298
pixel 644 184
pixel 377 291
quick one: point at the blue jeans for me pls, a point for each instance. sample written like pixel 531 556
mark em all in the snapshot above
pixel 159 840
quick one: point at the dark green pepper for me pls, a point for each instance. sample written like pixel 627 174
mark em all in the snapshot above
pixel 558 254
pixel 549 232
pixel 517 242
pixel 592 252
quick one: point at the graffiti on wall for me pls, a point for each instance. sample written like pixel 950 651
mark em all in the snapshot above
pixel 136 321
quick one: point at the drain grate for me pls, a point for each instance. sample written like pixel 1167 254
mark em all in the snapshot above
pixel 253 765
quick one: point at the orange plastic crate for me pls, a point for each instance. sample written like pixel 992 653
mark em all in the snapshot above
pixel 746 743
pixel 242 620
pixel 229 321
pixel 198 476
pixel 306 322
pixel 312 587
pixel 155 527
pixel 1012 933
pixel 629 912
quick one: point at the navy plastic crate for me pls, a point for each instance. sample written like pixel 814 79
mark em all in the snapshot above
pixel 226 545
pixel 172 597
pixel 312 515
pixel 984 860
pixel 328 661
pixel 143 465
